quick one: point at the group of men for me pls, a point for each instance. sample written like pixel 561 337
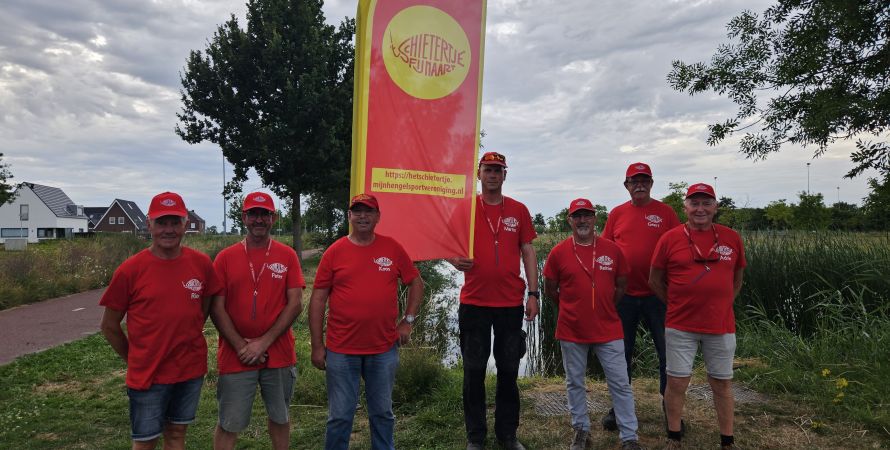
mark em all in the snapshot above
pixel 679 280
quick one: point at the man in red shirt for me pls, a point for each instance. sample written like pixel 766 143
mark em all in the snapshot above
pixel 491 298
pixel 697 270
pixel 585 276
pixel 359 274
pixel 262 297
pixel 636 227
pixel 164 292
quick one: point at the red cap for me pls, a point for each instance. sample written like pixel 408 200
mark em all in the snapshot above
pixel 493 158
pixel 167 204
pixel 701 188
pixel 638 168
pixel 365 199
pixel 579 204
pixel 258 200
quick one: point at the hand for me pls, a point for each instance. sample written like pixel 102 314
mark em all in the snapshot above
pixel 405 332
pixel 253 352
pixel 531 308
pixel 318 357
pixel 461 264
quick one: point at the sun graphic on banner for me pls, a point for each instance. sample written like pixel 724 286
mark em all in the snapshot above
pixel 426 52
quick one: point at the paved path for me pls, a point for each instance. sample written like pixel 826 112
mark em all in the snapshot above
pixel 39 326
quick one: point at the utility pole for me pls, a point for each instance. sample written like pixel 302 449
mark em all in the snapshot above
pixel 224 195
pixel 808 178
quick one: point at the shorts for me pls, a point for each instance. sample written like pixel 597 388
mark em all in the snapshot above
pixel 717 351
pixel 236 391
pixel 152 408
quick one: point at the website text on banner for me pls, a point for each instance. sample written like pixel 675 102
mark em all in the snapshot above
pixel 418 87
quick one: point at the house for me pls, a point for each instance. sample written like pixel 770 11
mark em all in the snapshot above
pixel 94 214
pixel 122 216
pixel 41 212
pixel 196 223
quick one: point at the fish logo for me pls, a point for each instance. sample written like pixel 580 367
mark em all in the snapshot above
pixel 193 285
pixel 511 222
pixel 604 260
pixel 724 250
pixel 168 202
pixel 652 218
pixel 640 167
pixel 383 261
pixel 277 268
pixel 259 199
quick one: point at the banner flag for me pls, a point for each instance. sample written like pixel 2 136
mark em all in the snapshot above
pixel 416 113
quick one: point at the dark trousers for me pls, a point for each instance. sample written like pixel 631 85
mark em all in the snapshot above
pixel 650 311
pixel 476 323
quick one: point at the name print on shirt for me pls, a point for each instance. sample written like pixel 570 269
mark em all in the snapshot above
pixel 195 286
pixel 605 263
pixel 383 264
pixel 654 221
pixel 510 224
pixel 725 253
pixel 278 270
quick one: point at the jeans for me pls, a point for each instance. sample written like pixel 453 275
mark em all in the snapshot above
pixel 611 356
pixel 476 324
pixel 649 310
pixel 150 409
pixel 342 374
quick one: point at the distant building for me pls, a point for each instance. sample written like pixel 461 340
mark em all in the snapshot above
pixel 196 223
pixel 93 214
pixel 122 216
pixel 41 212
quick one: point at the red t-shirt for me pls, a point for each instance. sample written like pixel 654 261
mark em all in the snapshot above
pixel 275 273
pixel 700 301
pixel 580 319
pixel 494 279
pixel 162 299
pixel 636 230
pixel 364 304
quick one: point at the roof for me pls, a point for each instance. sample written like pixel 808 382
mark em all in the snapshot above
pixel 94 213
pixel 131 209
pixel 197 218
pixel 55 199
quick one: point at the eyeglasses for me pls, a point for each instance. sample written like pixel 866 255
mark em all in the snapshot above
pixel 259 214
pixel 642 182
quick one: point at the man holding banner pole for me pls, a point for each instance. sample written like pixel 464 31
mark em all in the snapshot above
pixel 492 298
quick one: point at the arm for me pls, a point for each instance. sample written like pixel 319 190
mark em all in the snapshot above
pixel 415 294
pixel 658 283
pixel 205 306
pixel 530 263
pixel 316 324
pixel 551 288
pixel 620 286
pixel 461 264
pixel 253 352
pixel 224 324
pixel 737 281
pixel 114 333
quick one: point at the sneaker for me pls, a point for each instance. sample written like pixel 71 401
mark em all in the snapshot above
pixel 474 446
pixel 631 445
pixel 609 422
pixel 581 440
pixel 512 444
pixel 672 444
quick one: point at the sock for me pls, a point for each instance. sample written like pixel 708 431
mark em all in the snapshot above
pixel 675 435
pixel 726 440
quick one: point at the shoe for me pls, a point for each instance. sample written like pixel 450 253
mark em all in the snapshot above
pixel 672 444
pixel 728 447
pixel 664 410
pixel 581 440
pixel 474 446
pixel 631 445
pixel 511 444
pixel 609 422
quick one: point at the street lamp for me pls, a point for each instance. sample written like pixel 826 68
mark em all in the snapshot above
pixel 808 178
pixel 224 195
pixel 838 194
pixel 715 184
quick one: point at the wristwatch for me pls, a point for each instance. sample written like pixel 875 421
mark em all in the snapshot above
pixel 536 294
pixel 410 318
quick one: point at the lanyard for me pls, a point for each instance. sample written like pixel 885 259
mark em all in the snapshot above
pixel 590 273
pixel 494 231
pixel 701 258
pixel 254 275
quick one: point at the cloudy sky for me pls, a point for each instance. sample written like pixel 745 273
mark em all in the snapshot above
pixel 574 91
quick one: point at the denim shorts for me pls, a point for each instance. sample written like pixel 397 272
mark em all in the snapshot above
pixel 235 393
pixel 152 408
pixel 717 351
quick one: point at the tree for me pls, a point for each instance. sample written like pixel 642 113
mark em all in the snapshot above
pixel 846 216
pixel 877 204
pixel 539 223
pixel 779 214
pixel 235 213
pixel 6 190
pixel 827 64
pixel 675 198
pixel 811 213
pixel 559 222
pixel 602 214
pixel 276 97
pixel 326 216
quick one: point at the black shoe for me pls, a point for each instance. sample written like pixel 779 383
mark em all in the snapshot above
pixel 511 444
pixel 682 422
pixel 609 422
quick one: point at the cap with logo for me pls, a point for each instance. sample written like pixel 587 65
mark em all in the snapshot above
pixel 701 188
pixel 638 168
pixel 364 199
pixel 258 200
pixel 494 158
pixel 167 204
pixel 580 203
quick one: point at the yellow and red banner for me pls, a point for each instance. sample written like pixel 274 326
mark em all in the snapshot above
pixel 418 89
